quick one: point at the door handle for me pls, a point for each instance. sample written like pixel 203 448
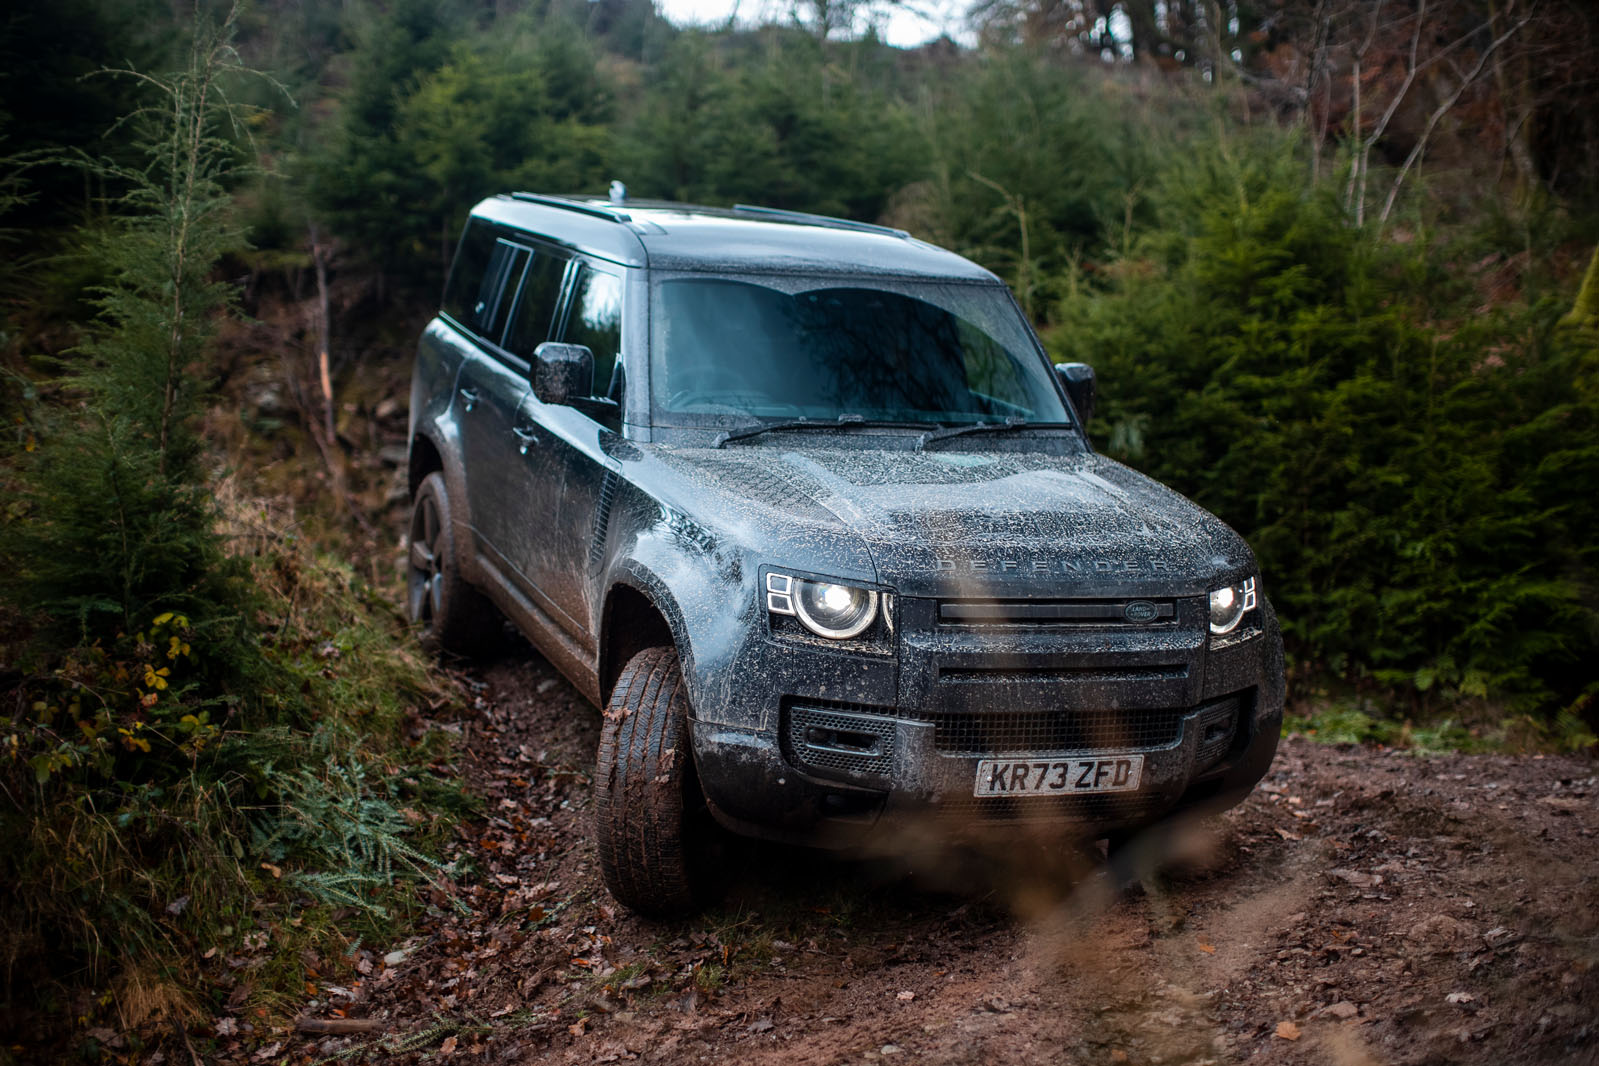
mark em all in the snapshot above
pixel 527 435
pixel 469 398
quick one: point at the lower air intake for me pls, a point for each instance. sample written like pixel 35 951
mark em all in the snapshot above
pixel 834 743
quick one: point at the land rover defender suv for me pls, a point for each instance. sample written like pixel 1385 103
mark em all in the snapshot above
pixel 802 504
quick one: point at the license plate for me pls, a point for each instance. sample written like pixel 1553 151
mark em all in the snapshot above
pixel 1054 777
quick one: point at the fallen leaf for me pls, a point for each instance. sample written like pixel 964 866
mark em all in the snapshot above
pixel 275 871
pixel 1342 1009
pixel 906 997
pixel 1118 1055
pixel 448 1047
pixel 1286 835
pixel 1288 1030
pixel 1208 949
pixel 1459 998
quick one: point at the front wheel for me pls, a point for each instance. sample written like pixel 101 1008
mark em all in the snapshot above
pixel 651 825
pixel 450 614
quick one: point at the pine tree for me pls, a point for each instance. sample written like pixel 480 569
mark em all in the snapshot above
pixel 117 520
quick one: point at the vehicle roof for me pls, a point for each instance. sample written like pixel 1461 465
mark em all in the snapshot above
pixel 671 236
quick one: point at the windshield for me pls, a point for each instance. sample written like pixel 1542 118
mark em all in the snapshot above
pixel 727 350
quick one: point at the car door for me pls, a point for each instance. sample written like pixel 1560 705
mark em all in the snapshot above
pixel 491 389
pixel 487 393
pixel 568 471
pixel 528 497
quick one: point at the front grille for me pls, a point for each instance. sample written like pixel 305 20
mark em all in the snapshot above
pixel 1057 612
pixel 1127 807
pixel 970 733
pixel 997 732
pixel 835 741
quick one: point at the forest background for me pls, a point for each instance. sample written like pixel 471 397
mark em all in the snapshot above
pixel 1333 260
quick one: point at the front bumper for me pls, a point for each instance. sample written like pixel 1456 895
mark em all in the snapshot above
pixel 842 749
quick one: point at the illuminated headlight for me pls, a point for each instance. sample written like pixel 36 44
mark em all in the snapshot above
pixel 827 608
pixel 1229 605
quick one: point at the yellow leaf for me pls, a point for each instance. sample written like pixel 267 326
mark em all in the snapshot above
pixel 162 619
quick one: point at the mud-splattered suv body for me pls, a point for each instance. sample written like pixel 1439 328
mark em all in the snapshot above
pixel 945 610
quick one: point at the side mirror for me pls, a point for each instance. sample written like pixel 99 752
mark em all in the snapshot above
pixel 1079 381
pixel 562 372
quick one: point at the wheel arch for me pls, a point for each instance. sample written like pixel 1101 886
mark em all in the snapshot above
pixel 638 613
pixel 425 458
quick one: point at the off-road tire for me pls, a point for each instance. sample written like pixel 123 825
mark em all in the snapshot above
pixel 450 615
pixel 653 832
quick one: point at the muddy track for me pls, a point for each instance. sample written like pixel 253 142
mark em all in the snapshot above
pixel 1362 907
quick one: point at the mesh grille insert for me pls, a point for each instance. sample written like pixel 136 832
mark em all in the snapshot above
pixel 839 742
pixel 993 733
pixel 1026 732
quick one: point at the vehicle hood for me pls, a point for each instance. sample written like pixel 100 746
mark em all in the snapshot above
pixel 949 522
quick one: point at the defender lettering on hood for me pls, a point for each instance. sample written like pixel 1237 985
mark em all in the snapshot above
pixel 803 505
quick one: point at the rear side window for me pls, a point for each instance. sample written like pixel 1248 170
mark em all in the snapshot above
pixel 535 308
pixel 462 294
pixel 499 288
pixel 596 320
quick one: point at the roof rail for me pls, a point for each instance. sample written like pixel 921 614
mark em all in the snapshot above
pixel 608 213
pixel 818 220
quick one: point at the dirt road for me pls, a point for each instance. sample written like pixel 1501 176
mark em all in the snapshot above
pixel 1363 906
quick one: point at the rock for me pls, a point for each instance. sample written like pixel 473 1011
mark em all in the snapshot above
pixel 1355 877
pixel 1342 1009
pixel 1439 932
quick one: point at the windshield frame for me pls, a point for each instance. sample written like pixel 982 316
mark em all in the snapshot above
pixel 914 286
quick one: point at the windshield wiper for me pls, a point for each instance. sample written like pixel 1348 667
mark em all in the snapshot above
pixel 1009 424
pixel 844 422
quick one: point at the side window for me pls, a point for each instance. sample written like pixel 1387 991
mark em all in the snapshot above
pixel 596 320
pixel 535 309
pixel 470 270
pixel 511 259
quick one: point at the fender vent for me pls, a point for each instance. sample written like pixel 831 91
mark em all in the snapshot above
pixel 602 519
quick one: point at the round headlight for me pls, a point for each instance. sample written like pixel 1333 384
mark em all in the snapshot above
pixel 835 611
pixel 1229 605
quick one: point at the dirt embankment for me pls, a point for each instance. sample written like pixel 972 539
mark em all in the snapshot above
pixel 1362 907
